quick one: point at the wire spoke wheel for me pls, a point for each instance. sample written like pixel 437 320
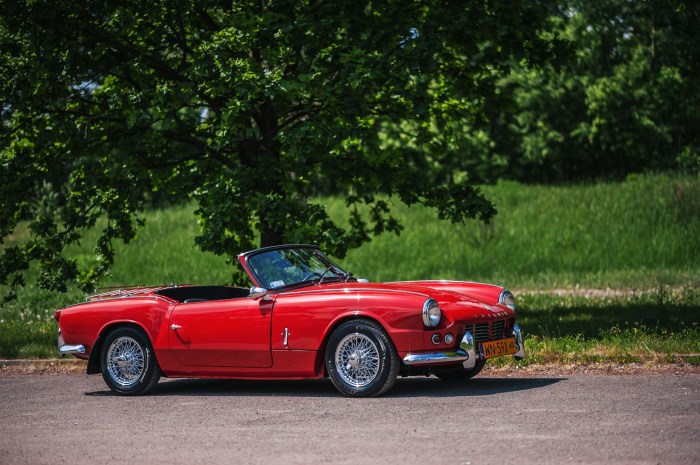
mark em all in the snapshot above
pixel 125 361
pixel 361 360
pixel 357 360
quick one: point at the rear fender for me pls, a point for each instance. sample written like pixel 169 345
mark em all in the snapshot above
pixel 93 365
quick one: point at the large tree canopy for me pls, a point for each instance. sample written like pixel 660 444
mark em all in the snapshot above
pixel 249 108
pixel 626 102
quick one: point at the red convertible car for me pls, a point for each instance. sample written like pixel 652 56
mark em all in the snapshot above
pixel 304 318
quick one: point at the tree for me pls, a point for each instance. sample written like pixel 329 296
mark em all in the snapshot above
pixel 625 103
pixel 249 108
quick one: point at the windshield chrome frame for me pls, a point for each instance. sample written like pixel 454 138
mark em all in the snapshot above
pixel 245 257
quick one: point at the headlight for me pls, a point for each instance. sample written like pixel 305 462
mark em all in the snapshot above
pixel 506 298
pixel 431 313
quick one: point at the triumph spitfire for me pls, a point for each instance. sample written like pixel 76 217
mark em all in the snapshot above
pixel 304 318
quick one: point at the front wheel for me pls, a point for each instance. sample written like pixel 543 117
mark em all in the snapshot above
pixel 127 361
pixel 460 373
pixel 361 360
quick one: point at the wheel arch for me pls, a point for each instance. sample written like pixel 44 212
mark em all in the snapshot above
pixel 93 365
pixel 319 363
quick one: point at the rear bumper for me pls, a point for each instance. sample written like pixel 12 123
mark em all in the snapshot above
pixel 69 349
pixel 466 353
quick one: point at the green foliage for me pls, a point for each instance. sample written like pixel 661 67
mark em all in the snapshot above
pixel 248 108
pixel 625 102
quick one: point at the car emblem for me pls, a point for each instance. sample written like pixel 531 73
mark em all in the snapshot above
pixel 490 308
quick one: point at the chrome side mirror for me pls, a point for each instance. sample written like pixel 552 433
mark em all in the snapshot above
pixel 259 293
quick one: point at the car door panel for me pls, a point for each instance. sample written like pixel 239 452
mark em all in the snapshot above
pixel 224 333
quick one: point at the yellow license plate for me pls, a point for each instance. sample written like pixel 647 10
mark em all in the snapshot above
pixel 498 348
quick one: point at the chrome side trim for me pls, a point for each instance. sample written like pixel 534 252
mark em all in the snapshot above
pixel 465 354
pixel 520 354
pixel 68 349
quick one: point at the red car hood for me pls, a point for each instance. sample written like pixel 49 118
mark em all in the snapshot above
pixel 460 299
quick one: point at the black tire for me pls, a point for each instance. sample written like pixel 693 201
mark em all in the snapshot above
pixel 460 373
pixel 128 364
pixel 361 360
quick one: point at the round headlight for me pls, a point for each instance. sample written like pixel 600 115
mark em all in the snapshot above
pixel 431 313
pixel 506 298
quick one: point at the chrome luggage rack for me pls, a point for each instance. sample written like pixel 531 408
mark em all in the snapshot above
pixel 116 292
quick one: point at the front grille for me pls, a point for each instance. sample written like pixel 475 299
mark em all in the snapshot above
pixel 480 332
pixel 497 329
pixel 484 332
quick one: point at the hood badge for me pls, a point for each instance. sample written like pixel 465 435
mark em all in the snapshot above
pixel 495 311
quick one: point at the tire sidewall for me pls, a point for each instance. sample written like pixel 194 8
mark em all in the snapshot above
pixel 387 359
pixel 146 380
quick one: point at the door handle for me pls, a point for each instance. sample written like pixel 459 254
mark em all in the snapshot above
pixel 175 327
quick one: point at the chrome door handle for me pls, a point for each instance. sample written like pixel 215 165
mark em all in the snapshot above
pixel 175 327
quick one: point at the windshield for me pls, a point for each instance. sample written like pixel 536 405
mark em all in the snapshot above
pixel 285 267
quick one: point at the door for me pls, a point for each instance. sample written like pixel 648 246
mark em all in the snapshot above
pixel 222 333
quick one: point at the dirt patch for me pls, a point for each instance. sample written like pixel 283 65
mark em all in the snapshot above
pixel 551 369
pixel 605 293
pixel 42 367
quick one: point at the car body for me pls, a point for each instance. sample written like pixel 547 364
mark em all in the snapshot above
pixel 304 318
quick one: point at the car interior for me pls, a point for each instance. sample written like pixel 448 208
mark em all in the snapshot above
pixel 189 294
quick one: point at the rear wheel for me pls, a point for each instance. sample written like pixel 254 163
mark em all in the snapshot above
pixel 127 361
pixel 361 360
pixel 460 373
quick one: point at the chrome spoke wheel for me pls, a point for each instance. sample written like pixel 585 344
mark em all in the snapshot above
pixel 125 361
pixel 357 359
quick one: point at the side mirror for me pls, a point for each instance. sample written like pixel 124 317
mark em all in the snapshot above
pixel 259 293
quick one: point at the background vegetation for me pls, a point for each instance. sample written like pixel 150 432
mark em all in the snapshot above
pixel 636 242
pixel 252 111
pixel 150 142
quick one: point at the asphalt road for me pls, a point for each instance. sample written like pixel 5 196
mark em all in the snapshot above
pixel 73 419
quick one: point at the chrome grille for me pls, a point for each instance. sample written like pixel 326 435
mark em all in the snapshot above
pixel 497 329
pixel 480 332
pixel 487 331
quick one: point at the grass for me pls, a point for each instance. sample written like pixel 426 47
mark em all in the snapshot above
pixel 662 326
pixel 642 233
pixel 641 236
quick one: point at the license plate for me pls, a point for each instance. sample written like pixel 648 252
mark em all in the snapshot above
pixel 498 348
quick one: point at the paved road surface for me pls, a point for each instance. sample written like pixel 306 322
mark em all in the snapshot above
pixel 73 419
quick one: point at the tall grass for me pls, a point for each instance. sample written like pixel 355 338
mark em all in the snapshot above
pixel 163 252
pixel 644 232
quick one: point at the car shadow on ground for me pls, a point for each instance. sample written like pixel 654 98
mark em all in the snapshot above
pixel 404 387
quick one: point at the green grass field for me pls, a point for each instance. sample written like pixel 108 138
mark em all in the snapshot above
pixel 641 237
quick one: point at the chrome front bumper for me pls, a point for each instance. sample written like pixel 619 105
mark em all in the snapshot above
pixel 520 354
pixel 465 354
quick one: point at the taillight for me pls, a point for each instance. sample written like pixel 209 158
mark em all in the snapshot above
pixel 57 315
